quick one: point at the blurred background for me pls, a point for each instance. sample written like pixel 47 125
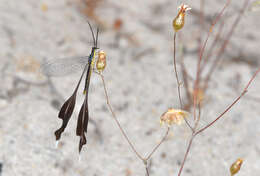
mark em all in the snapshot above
pixel 138 39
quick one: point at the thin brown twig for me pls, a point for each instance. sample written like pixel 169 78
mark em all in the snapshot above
pixel 186 154
pixel 185 77
pixel 198 119
pixel 186 86
pixel 175 69
pixel 212 47
pixel 224 45
pixel 124 133
pixel 197 80
pixel 158 145
pixel 194 134
pixel 202 25
pixel 147 170
pixel 232 104
pixel 177 77
pixel 117 122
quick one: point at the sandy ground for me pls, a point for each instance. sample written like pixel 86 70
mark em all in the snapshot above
pixel 141 86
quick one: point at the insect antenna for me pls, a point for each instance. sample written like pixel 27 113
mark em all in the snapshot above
pixel 97 37
pixel 94 41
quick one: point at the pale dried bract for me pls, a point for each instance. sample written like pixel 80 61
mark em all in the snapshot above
pixel 173 116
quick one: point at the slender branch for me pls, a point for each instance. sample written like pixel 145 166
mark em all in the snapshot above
pixel 195 94
pixel 177 77
pixel 213 45
pixel 158 145
pixel 186 86
pixel 223 47
pixel 210 31
pixel 194 134
pixel 186 154
pixel 124 133
pixel 117 122
pixel 197 80
pixel 175 69
pixel 198 119
pixel 232 104
pixel 185 77
pixel 147 170
pixel 201 26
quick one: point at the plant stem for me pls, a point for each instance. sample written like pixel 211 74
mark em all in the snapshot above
pixel 232 104
pixel 158 145
pixel 177 77
pixel 197 80
pixel 186 154
pixel 124 133
pixel 224 45
pixel 194 134
pixel 147 170
pixel 175 69
pixel 117 122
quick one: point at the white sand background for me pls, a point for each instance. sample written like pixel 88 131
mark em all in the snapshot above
pixel 141 88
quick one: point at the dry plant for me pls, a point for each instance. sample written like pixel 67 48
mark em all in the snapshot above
pixel 175 116
pixel 209 60
pixel 200 85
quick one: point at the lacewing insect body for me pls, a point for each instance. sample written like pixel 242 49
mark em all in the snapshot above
pixel 65 66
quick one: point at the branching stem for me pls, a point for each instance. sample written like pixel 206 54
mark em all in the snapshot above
pixel 117 122
pixel 145 160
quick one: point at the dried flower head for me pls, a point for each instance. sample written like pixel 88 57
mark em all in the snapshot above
pixel 178 22
pixel 235 167
pixel 173 116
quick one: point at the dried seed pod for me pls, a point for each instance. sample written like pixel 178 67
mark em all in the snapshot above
pixel 235 167
pixel 173 116
pixel 179 20
pixel 101 61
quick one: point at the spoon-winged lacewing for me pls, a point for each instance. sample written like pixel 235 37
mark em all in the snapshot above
pixel 60 67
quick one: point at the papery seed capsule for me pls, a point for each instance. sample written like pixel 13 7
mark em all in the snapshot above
pixel 179 20
pixel 173 116
pixel 235 167
pixel 101 61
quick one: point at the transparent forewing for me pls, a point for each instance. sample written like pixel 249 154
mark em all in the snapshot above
pixel 64 66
